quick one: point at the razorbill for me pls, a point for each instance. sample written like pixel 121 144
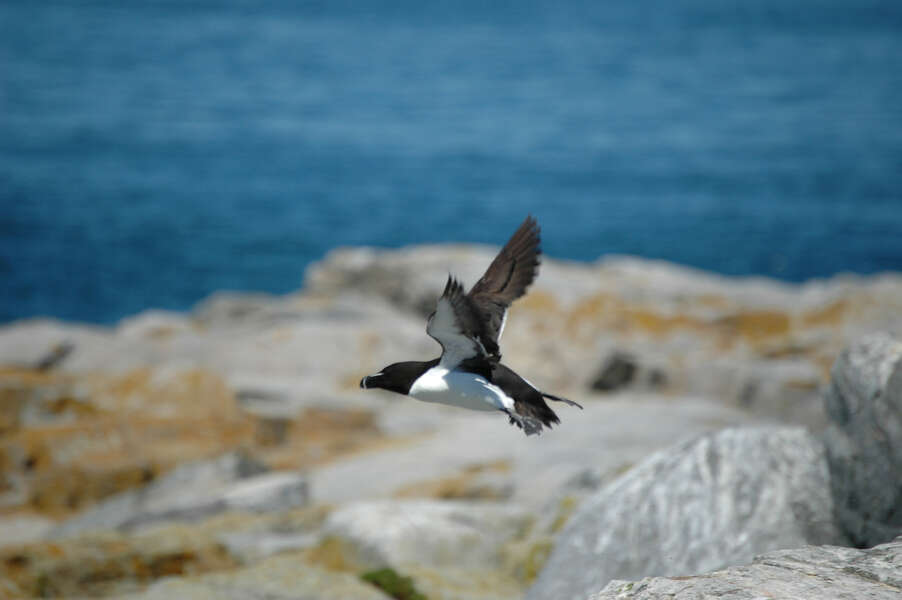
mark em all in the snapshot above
pixel 468 326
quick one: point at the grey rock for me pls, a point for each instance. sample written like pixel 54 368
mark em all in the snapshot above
pixel 262 493
pixel 231 307
pixel 154 324
pixel 253 546
pixel 192 491
pixel 426 533
pixel 284 577
pixel 299 341
pixel 788 390
pixel 267 493
pixel 26 343
pixel 623 369
pixel 22 529
pixel 606 435
pixel 358 312
pixel 409 278
pixel 617 371
pixel 710 502
pixel 797 574
pixel 864 439
pixel 55 356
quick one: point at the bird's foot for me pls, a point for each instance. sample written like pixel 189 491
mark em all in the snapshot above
pixel 529 425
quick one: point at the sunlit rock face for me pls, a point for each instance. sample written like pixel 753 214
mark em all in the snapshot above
pixel 808 572
pixel 714 501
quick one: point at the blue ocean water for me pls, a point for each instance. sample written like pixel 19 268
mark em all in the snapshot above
pixel 153 152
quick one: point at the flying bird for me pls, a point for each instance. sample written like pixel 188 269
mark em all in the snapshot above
pixel 468 326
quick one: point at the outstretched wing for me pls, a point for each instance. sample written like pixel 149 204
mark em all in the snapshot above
pixel 456 325
pixel 506 279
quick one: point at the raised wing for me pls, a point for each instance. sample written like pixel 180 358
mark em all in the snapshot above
pixel 455 325
pixel 506 279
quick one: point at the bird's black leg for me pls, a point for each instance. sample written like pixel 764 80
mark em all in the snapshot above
pixel 529 425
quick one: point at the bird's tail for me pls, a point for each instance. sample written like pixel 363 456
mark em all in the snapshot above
pixel 564 400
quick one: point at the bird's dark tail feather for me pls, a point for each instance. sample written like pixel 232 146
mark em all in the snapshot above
pixel 564 400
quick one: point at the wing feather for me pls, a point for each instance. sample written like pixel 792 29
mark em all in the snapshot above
pixel 507 278
pixel 457 327
pixel 469 325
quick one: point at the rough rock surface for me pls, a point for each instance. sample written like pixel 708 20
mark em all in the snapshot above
pixel 21 529
pixel 88 413
pixel 460 550
pixel 827 572
pixel 428 533
pixel 864 439
pixel 710 502
pixel 194 491
pixel 284 577
pixel 606 435
pixel 368 304
pixel 108 562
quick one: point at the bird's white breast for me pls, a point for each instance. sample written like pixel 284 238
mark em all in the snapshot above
pixel 458 388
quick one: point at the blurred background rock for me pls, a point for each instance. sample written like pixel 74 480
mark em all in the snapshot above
pixel 216 218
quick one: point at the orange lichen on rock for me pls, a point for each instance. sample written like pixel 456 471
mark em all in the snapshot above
pixel 539 309
pixel 660 324
pixel 104 564
pixel 829 315
pixel 594 314
pixel 319 435
pixel 469 484
pixel 67 467
pixel 32 395
pixel 91 436
pixel 755 325
pixel 190 393
pixel 606 312
pixel 712 301
pixel 122 431
pixel 536 300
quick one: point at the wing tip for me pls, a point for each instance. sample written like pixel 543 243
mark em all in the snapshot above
pixel 529 233
pixel 452 287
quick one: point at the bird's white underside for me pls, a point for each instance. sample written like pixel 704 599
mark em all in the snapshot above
pixel 444 385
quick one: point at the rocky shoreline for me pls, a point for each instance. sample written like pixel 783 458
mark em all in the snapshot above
pixel 228 453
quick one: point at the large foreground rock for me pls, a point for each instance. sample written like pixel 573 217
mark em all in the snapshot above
pixel 826 572
pixel 864 439
pixel 714 501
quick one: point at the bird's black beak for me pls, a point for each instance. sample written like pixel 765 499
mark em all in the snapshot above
pixel 378 381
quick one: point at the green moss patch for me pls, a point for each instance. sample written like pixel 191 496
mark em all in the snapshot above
pixel 393 583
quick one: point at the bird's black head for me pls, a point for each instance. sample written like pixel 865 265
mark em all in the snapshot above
pixel 397 377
